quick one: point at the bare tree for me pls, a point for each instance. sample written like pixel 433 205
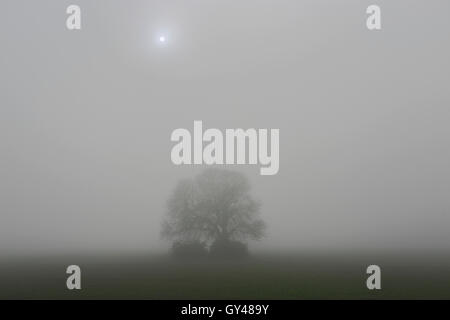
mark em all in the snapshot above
pixel 214 206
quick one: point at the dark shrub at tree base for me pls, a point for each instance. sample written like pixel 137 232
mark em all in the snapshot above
pixel 189 249
pixel 228 249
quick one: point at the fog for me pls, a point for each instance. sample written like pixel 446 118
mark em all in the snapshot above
pixel 86 118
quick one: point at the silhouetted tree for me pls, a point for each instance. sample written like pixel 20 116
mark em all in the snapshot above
pixel 214 207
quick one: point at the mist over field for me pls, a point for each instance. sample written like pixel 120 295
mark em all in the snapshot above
pixel 86 118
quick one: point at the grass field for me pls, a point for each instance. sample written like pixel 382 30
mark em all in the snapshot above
pixel 263 276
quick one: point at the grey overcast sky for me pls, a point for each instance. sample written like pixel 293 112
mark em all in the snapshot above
pixel 86 118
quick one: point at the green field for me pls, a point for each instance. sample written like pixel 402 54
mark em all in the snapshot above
pixel 263 276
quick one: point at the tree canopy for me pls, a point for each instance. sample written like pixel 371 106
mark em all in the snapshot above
pixel 216 205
